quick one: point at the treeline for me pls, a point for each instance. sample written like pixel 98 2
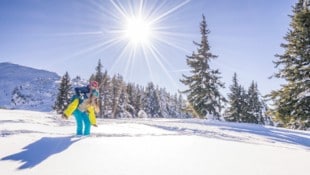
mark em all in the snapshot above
pixel 246 106
pixel 119 99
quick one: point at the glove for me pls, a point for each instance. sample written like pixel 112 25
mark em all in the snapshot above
pixel 64 116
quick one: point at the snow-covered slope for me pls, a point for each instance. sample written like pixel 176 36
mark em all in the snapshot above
pixel 27 88
pixel 35 143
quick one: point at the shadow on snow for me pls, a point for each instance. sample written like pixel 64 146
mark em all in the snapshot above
pixel 271 133
pixel 36 152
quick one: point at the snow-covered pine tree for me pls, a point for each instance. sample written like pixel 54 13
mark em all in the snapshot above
pixel 106 95
pixel 165 103
pixel 244 115
pixel 131 99
pixel 292 100
pixel 99 76
pixel 204 83
pixel 118 97
pixel 151 101
pixel 173 104
pixel 123 104
pixel 255 105
pixel 236 100
pixel 114 95
pixel 138 96
pixel 64 94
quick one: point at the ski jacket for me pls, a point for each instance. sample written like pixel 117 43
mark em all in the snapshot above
pixel 82 91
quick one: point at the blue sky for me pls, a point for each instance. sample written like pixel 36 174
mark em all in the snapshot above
pixel 72 35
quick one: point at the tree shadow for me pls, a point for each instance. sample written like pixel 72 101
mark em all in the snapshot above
pixel 272 134
pixel 278 135
pixel 36 152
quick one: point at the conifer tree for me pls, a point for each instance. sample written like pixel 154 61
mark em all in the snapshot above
pixel 244 98
pixel 123 102
pixel 116 83
pixel 138 96
pixel 64 94
pixel 255 105
pixel 130 90
pixel 236 100
pixel 99 75
pixel 204 83
pixel 106 96
pixel 292 100
pixel 151 101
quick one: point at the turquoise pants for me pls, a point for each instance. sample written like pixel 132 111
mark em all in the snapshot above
pixel 82 122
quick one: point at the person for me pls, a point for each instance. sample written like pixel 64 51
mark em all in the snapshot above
pixel 84 106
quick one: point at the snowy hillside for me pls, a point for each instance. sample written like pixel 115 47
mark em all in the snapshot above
pixel 27 88
pixel 35 143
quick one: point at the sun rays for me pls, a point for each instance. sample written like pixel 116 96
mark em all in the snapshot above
pixel 144 28
pixel 136 38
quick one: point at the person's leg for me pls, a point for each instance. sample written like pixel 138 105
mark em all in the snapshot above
pixel 78 115
pixel 86 124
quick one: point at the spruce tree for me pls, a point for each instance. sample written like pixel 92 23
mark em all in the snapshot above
pixel 106 96
pixel 116 83
pixel 138 96
pixel 244 98
pixel 255 105
pixel 292 100
pixel 204 83
pixel 99 76
pixel 64 94
pixel 123 103
pixel 151 101
pixel 235 100
pixel 131 99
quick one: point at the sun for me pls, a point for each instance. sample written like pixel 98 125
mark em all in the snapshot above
pixel 141 36
pixel 138 30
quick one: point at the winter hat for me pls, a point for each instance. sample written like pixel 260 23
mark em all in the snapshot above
pixel 94 84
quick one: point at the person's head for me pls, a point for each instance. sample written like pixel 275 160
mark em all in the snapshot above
pixel 93 85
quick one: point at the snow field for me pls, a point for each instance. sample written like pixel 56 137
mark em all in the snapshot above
pixel 41 143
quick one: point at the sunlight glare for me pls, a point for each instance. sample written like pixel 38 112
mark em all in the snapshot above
pixel 138 31
pixel 141 35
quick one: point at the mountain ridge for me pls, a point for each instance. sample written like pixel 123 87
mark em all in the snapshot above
pixel 23 87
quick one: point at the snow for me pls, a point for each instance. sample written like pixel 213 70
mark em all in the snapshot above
pixel 35 143
pixel 27 88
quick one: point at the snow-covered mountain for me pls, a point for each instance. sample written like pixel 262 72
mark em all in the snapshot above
pixel 35 143
pixel 27 88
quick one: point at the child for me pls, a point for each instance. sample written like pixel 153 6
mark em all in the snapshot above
pixel 84 106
